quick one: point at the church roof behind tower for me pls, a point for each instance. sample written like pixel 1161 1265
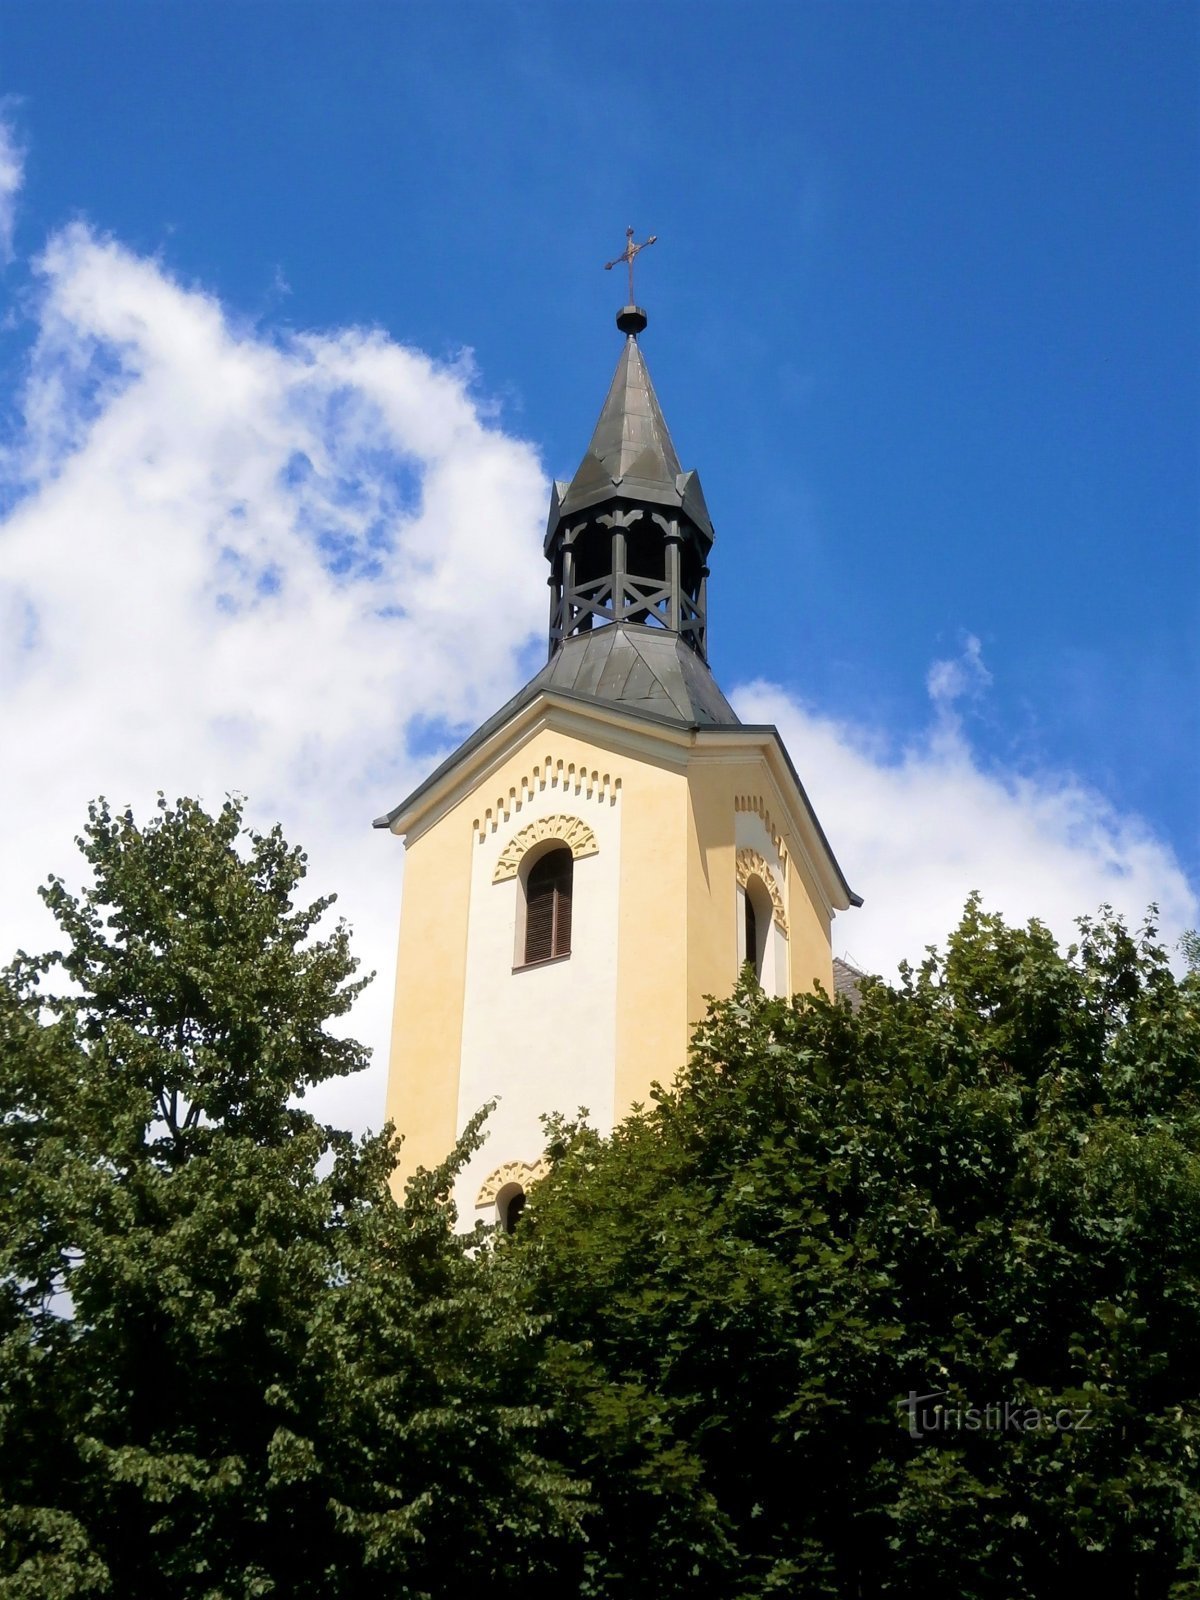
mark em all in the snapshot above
pixel 631 453
pixel 645 672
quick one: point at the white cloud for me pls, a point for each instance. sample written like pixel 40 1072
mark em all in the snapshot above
pixel 12 173
pixel 247 562
pixel 916 829
pixel 962 677
pixel 241 560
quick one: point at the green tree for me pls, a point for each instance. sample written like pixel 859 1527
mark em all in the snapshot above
pixel 230 1364
pixel 986 1183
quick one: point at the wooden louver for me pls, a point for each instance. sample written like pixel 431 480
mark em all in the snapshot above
pixel 548 907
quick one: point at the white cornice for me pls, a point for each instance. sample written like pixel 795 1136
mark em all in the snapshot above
pixel 548 712
pixel 636 736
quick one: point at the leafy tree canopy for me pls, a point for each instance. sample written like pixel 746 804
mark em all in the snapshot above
pixel 983 1189
pixel 230 1364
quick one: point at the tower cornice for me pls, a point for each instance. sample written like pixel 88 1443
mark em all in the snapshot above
pixel 621 730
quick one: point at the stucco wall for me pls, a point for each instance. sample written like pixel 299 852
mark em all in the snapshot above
pixel 541 1038
pixel 427 1016
pixel 655 929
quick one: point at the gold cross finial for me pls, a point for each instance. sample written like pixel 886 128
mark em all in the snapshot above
pixel 627 256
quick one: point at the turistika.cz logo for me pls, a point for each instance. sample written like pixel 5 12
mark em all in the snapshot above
pixel 927 1414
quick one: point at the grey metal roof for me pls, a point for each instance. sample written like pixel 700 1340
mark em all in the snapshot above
pixel 645 670
pixel 631 453
pixel 846 982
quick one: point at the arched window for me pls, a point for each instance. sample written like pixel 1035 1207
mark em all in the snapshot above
pixel 548 906
pixel 510 1203
pixel 758 926
pixel 513 1210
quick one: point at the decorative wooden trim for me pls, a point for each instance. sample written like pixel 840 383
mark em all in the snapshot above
pixel 573 832
pixel 754 803
pixel 750 864
pixel 548 774
pixel 522 1172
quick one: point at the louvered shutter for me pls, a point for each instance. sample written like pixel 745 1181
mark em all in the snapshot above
pixel 548 907
pixel 562 910
pixel 539 916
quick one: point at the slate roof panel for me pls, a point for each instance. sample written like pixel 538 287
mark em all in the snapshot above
pixel 631 453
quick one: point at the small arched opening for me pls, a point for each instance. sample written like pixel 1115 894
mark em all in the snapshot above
pixel 510 1205
pixel 756 930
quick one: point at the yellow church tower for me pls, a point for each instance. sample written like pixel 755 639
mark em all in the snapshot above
pixel 606 850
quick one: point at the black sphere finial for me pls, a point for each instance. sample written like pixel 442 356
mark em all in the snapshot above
pixel 631 319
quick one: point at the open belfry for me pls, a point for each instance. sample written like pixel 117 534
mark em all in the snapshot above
pixel 606 850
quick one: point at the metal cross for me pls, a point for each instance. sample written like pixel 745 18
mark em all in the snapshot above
pixel 627 256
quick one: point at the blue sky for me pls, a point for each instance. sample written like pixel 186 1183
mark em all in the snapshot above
pixel 923 313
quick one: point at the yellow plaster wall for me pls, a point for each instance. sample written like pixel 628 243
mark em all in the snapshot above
pixel 422 1098
pixel 809 927
pixel 677 923
pixel 652 955
pixel 712 889
pixel 712 886
pixel 426 1044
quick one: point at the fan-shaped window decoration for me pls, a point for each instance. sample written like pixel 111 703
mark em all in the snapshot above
pixel 548 906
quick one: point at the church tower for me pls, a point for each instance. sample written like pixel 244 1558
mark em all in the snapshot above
pixel 606 850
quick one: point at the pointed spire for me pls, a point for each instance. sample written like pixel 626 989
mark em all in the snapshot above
pixel 628 538
pixel 631 453
pixel 631 438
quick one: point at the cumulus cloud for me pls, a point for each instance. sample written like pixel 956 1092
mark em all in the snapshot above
pixel 240 559
pixel 918 827
pixel 12 173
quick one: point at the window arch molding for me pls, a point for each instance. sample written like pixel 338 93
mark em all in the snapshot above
pixel 573 832
pixel 520 1173
pixel 750 864
pixel 534 854
pixel 502 1187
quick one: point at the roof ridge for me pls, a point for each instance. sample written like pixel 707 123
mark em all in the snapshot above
pixel 636 644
